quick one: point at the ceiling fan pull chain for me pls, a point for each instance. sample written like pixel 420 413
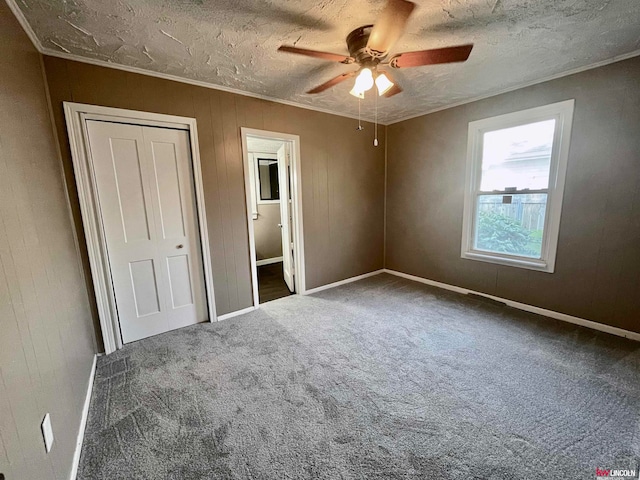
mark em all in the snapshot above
pixel 359 123
pixel 375 125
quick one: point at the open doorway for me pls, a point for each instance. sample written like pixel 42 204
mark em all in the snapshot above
pixel 274 215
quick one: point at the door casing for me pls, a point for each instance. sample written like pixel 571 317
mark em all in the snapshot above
pixel 288 262
pixel 296 205
pixel 76 115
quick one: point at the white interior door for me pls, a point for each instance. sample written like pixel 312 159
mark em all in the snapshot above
pixel 285 216
pixel 145 189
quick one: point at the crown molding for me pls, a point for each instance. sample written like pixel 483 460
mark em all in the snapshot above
pixel 102 63
pixel 565 73
pixel 165 76
pixel 24 24
pixel 198 83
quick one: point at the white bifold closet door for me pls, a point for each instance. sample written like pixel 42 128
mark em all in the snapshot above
pixel 147 205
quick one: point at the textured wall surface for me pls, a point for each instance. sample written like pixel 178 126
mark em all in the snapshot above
pixel 46 334
pixel 267 233
pixel 342 173
pixel 597 273
pixel 233 43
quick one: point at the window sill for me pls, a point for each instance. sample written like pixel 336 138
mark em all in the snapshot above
pixel 520 262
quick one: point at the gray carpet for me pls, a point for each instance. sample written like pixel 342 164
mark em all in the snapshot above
pixel 379 379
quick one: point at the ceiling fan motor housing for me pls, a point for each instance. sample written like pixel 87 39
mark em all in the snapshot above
pixel 357 45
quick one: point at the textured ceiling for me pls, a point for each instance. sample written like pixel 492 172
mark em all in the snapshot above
pixel 233 43
pixel 263 145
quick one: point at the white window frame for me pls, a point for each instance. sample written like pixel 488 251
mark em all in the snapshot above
pixel 562 112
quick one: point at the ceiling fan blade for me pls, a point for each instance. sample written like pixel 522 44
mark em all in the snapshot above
pixel 331 83
pixel 333 57
pixel 389 27
pixel 431 57
pixel 396 89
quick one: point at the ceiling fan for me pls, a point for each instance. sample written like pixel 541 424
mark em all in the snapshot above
pixel 369 47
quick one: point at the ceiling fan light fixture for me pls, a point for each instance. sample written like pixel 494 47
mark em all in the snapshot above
pixel 369 46
pixel 364 82
pixel 356 93
pixel 383 83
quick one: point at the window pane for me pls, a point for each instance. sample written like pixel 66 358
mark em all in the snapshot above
pixel 518 157
pixel 510 224
pixel 268 179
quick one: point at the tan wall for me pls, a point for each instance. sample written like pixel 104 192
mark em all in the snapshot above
pixel 342 173
pixel 267 233
pixel 46 335
pixel 597 273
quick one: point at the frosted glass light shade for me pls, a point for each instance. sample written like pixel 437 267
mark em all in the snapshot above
pixel 364 82
pixel 383 83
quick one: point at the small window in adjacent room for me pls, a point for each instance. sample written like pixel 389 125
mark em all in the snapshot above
pixel 268 185
pixel 516 166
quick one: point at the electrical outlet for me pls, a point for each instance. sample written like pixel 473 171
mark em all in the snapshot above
pixel 47 432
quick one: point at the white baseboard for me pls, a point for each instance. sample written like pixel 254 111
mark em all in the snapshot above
pixel 527 308
pixel 268 261
pixel 227 316
pixel 342 282
pixel 83 422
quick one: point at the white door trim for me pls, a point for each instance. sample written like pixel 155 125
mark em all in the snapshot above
pixel 76 115
pixel 296 196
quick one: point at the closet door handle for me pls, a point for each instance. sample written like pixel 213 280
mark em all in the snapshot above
pixel 180 246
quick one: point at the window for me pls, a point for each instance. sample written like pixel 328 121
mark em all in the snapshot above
pixel 516 165
pixel 268 182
